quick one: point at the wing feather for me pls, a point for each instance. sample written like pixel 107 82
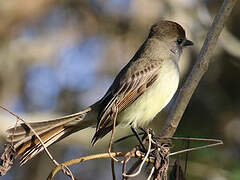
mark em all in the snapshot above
pixel 127 87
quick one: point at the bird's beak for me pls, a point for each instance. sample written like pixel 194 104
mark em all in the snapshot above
pixel 187 43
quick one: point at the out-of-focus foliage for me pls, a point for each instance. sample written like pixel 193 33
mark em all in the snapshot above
pixel 61 56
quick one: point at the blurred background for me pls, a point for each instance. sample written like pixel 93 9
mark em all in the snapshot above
pixel 58 57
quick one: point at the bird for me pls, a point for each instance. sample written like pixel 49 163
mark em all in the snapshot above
pixel 143 87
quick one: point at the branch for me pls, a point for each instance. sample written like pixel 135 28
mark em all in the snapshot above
pixel 200 67
pixel 157 149
pixel 82 159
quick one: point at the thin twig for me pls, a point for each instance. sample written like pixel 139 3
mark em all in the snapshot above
pixel 136 155
pixel 186 160
pixel 196 148
pixel 126 137
pixel 144 160
pixel 127 157
pixel 83 159
pixel 198 70
pixel 191 139
pixel 151 173
pixel 114 118
pixel 113 169
pixel 67 171
pixel 134 166
pixel 15 127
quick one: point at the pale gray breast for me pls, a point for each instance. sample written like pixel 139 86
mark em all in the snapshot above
pixel 154 99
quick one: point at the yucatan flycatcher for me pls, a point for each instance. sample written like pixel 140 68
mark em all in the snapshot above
pixel 140 90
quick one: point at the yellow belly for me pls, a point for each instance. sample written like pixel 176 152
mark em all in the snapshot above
pixel 146 107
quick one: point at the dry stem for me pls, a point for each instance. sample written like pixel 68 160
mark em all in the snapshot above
pixel 85 158
pixel 134 153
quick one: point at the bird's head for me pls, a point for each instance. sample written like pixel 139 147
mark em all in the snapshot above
pixel 172 33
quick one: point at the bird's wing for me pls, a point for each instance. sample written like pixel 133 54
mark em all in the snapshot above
pixel 127 87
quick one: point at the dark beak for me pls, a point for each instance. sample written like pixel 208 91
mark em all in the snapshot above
pixel 187 43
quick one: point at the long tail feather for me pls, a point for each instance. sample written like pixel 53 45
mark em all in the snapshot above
pixel 27 145
pixel 17 133
pixel 31 148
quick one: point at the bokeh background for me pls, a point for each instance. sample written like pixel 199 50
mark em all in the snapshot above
pixel 58 57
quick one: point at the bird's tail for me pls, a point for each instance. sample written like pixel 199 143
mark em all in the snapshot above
pixel 27 145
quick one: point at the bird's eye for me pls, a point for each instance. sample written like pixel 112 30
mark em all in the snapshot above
pixel 179 41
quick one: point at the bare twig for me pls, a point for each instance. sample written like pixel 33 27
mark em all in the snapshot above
pixel 226 37
pixel 114 118
pixel 67 171
pixel 151 173
pixel 191 139
pixel 196 148
pixel 186 159
pixel 177 172
pixel 113 169
pixel 127 157
pixel 132 169
pixel 126 137
pixel 142 157
pixel 144 160
pixel 216 143
pixel 199 68
pixel 83 159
